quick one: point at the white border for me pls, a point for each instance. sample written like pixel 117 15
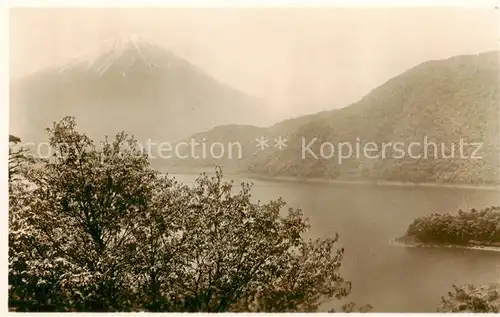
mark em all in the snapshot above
pixel 4 150
pixel 4 71
pixel 253 3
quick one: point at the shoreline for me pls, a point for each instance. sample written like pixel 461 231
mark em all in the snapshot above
pixel 364 182
pixel 318 180
pixel 395 243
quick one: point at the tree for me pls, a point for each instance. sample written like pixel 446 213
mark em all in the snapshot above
pixel 17 155
pixel 69 232
pixel 98 229
pixel 468 298
pixel 475 227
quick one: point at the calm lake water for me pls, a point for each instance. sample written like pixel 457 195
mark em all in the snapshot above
pixel 367 217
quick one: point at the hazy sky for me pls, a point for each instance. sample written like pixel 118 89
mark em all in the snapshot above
pixel 297 60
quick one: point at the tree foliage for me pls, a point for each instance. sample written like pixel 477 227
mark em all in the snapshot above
pixel 17 156
pixel 468 298
pixel 480 227
pixel 95 228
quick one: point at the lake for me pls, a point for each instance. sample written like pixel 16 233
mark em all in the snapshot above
pixel 367 217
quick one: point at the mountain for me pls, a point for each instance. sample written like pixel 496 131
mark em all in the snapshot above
pixel 130 83
pixel 440 102
pixel 241 140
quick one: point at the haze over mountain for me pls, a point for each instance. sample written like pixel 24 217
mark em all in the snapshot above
pixel 130 83
pixel 300 60
pixel 442 100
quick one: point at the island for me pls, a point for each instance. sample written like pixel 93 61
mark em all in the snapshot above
pixel 474 229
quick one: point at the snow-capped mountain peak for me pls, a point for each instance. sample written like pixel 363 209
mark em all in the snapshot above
pixel 123 52
pixel 127 41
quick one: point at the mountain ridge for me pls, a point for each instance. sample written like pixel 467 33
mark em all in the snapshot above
pixel 127 80
pixel 445 100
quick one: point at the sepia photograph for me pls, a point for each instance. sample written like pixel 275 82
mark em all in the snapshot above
pixel 253 159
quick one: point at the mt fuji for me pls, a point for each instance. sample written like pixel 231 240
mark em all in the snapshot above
pixel 132 84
